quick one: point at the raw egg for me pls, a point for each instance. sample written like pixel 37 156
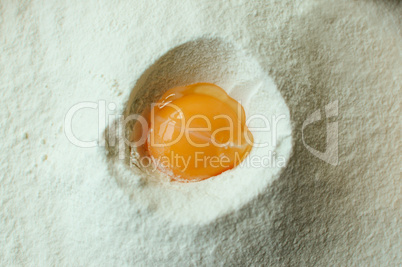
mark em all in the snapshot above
pixel 197 132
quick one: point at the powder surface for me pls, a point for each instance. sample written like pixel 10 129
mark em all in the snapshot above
pixel 226 65
pixel 62 205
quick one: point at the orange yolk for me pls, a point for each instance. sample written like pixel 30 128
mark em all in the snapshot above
pixel 196 132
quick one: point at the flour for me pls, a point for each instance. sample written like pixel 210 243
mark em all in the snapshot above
pixel 65 205
pixel 217 61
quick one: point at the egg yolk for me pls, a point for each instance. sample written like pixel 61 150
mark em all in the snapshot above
pixel 196 132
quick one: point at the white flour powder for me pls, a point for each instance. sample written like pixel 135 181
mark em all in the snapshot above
pixel 222 63
pixel 65 205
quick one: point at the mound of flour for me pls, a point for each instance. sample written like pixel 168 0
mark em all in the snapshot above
pixel 62 205
pixel 222 63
